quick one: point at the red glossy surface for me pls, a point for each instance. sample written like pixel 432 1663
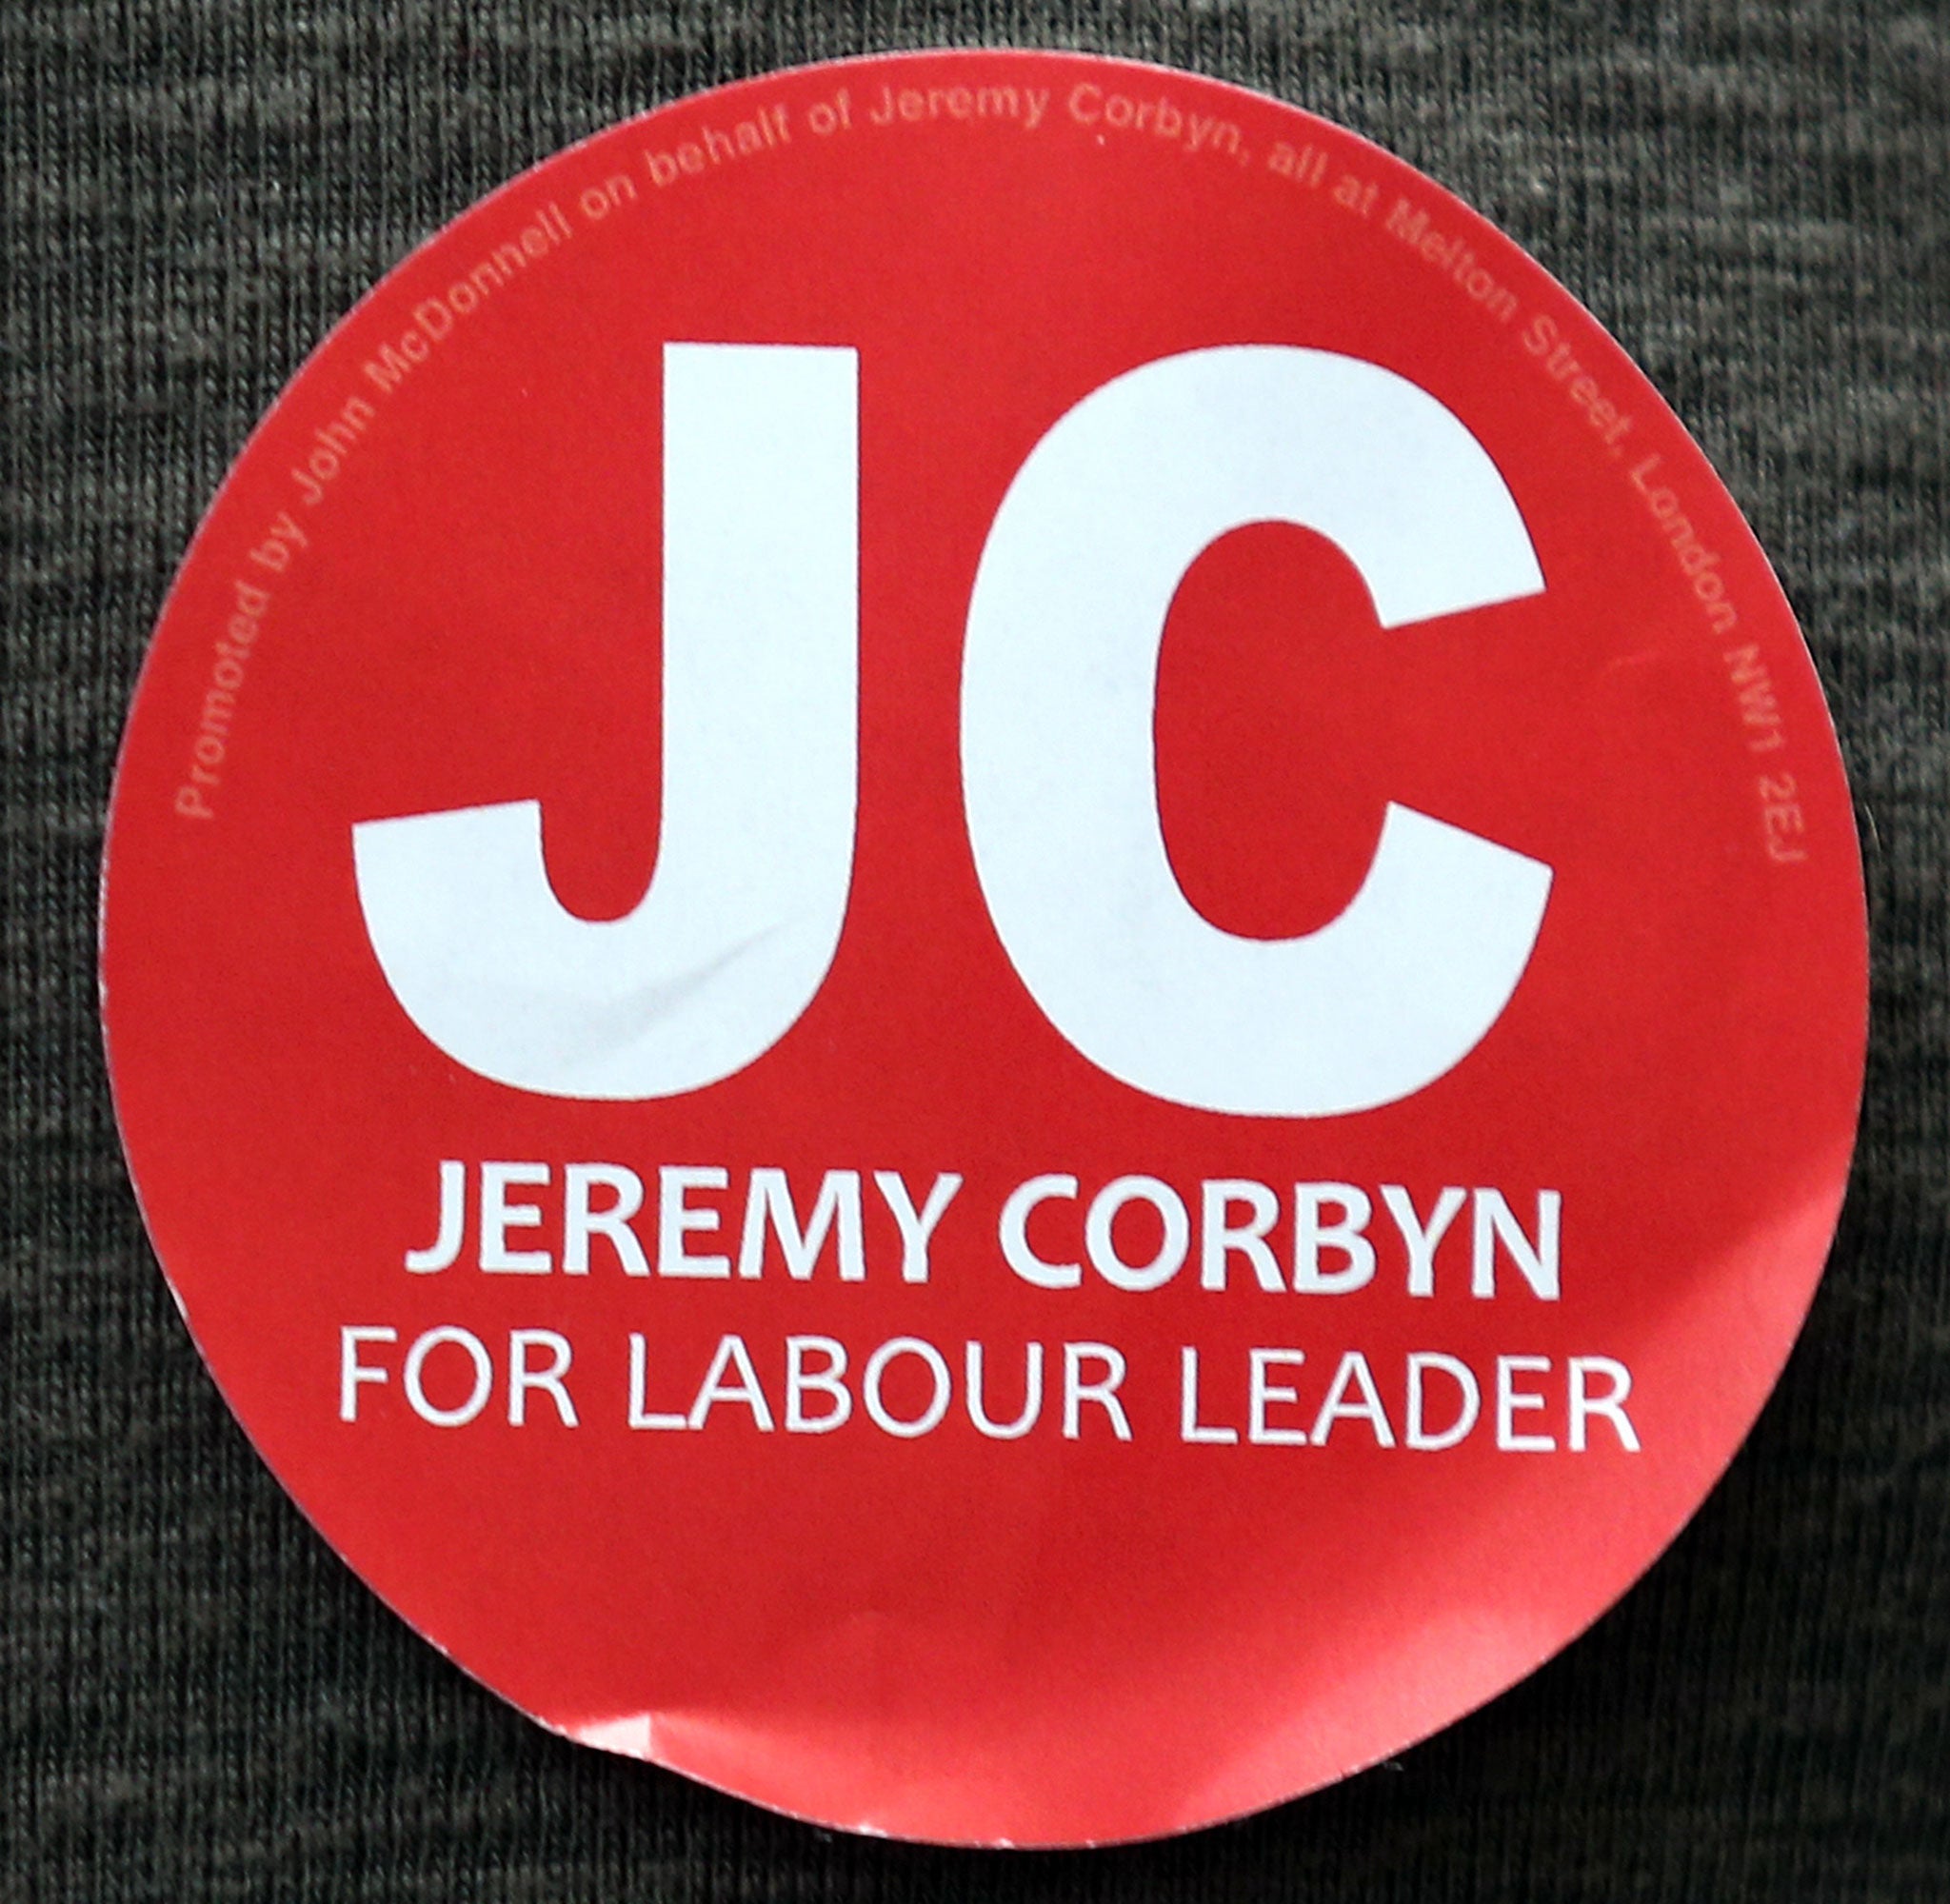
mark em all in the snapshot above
pixel 1050 1639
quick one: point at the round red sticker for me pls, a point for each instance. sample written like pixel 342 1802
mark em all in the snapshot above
pixel 979 949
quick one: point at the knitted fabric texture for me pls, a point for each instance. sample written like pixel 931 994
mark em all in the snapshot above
pixel 198 1702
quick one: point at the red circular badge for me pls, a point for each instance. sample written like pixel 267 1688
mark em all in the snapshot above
pixel 979 949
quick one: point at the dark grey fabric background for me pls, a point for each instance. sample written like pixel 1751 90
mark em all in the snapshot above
pixel 197 1701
